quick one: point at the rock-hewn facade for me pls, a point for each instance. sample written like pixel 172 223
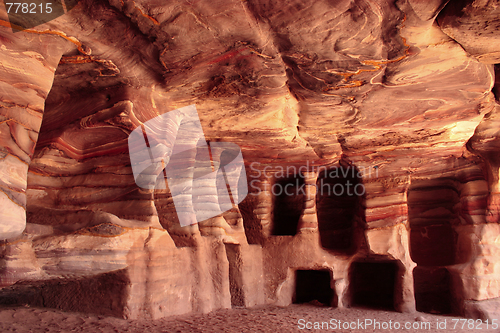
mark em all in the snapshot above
pixel 395 100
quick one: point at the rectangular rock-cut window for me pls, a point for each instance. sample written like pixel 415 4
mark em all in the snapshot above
pixel 289 196
pixel 338 201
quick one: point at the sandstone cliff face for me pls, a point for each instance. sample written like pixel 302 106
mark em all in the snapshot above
pixel 395 100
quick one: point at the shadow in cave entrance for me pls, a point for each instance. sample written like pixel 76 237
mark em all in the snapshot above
pixel 372 284
pixel 432 213
pixel 288 205
pixel 338 203
pixel 314 287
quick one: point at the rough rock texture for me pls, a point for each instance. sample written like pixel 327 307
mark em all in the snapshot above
pixel 474 25
pixel 394 102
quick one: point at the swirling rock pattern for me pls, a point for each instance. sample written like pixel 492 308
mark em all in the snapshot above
pixel 401 93
pixel 27 79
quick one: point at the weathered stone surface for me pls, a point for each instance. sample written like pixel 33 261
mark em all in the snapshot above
pixel 28 71
pixel 474 24
pixel 484 310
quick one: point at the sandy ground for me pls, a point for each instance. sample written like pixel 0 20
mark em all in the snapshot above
pixel 295 318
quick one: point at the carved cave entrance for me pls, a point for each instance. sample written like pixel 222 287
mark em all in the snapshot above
pixel 431 212
pixel 289 196
pixel 314 285
pixel 372 284
pixel 338 201
pixel 432 289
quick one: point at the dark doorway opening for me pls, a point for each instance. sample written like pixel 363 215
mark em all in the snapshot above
pixel 289 198
pixel 432 289
pixel 314 285
pixel 431 212
pixel 338 201
pixel 372 284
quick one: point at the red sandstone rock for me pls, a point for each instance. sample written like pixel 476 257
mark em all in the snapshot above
pixel 379 88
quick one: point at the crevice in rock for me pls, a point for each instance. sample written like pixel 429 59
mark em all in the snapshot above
pixel 496 87
pixel 235 277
